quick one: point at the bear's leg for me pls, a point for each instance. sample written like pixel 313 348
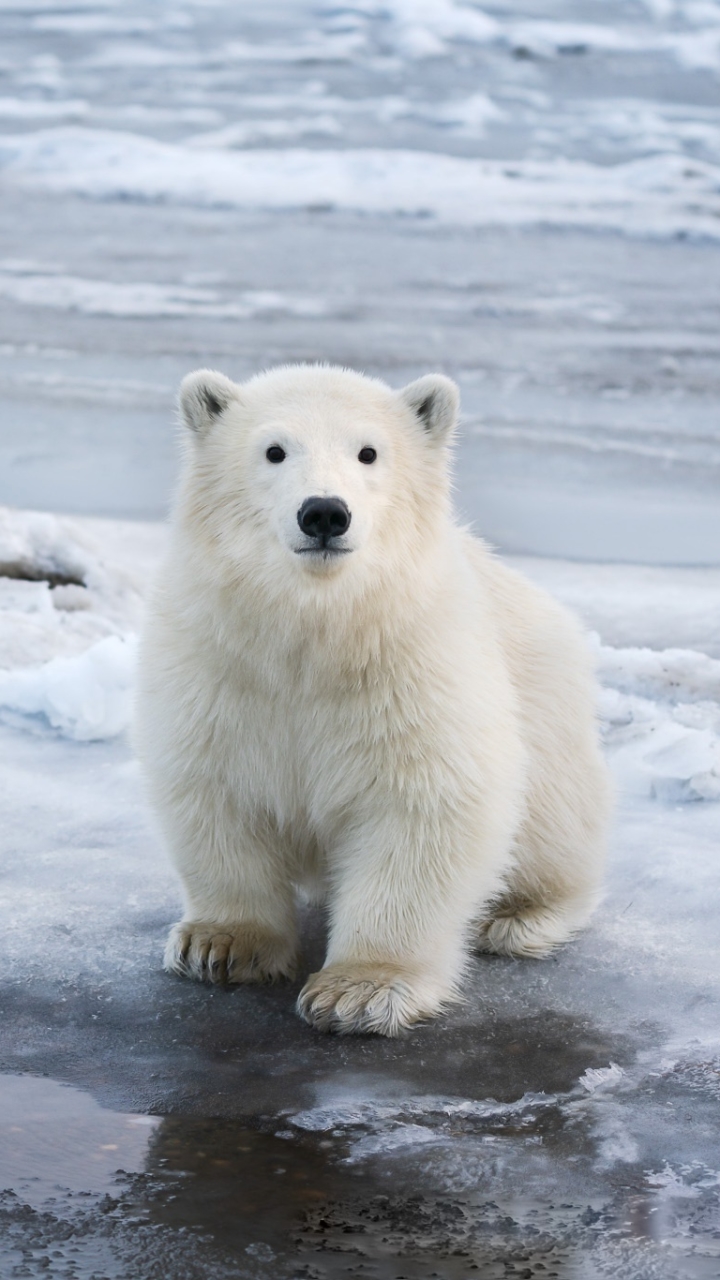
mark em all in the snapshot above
pixel 556 882
pixel 400 914
pixel 239 922
pixel 523 929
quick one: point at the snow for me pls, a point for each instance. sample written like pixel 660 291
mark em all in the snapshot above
pixel 637 181
pixel 677 674
pixel 248 188
pixel 659 195
pixel 101 23
pixel 41 109
pixel 24 282
pixel 105 567
pixel 638 606
pixel 428 28
pixel 86 698
pixel 67 648
pixel 660 716
pixel 422 28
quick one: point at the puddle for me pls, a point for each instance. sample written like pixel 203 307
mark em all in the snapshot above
pixel 55 1138
pixel 417 1189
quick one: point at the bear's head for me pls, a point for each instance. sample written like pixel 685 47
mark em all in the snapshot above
pixel 314 472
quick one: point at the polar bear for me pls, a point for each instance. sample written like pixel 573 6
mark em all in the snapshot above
pixel 343 692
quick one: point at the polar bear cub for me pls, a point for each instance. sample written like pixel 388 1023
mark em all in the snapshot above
pixel 342 691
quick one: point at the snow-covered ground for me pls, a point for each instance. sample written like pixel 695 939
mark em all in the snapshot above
pixel 525 195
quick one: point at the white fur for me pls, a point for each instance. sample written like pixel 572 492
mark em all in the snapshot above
pixel 407 729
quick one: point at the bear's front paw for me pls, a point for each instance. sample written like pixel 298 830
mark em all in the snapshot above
pixel 228 953
pixel 365 999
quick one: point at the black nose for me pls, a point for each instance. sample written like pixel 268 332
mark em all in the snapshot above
pixel 324 518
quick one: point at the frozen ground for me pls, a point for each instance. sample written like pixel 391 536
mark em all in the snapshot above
pixel 527 197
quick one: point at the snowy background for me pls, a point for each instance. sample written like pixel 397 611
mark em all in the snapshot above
pixel 527 197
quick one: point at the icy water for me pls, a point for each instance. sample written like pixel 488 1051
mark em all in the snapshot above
pixel 413 1187
pixel 524 196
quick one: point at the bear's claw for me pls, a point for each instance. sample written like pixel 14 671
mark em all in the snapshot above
pixel 228 953
pixel 363 999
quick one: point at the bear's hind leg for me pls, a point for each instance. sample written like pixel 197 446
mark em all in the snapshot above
pixel 556 882
pixel 523 928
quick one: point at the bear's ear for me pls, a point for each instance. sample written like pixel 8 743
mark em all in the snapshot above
pixel 204 395
pixel 434 400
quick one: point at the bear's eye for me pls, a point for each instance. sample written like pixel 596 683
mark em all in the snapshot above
pixel 275 453
pixel 367 455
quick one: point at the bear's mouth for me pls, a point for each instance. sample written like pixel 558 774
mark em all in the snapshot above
pixel 324 550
